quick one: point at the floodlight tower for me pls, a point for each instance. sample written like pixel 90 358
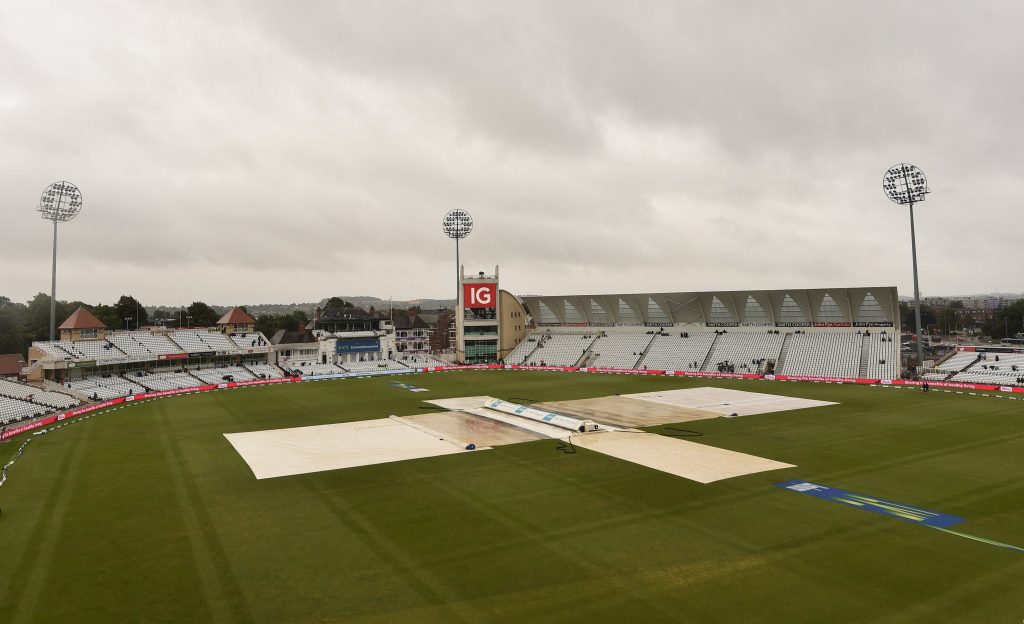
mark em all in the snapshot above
pixel 60 203
pixel 457 224
pixel 905 184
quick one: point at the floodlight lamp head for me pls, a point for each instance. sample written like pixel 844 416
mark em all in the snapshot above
pixel 905 184
pixel 61 201
pixel 457 224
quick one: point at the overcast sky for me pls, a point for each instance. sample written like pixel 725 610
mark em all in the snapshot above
pixel 244 152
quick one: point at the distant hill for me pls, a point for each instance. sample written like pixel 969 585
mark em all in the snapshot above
pixel 362 301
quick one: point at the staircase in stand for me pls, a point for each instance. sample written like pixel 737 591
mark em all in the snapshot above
pixel 864 353
pixel 965 368
pixel 711 352
pixel 588 354
pixel 536 345
pixel 783 352
pixel 643 354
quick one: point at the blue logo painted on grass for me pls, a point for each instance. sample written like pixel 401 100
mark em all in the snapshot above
pixel 405 386
pixel 878 505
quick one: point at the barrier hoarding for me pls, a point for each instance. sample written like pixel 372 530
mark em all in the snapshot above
pixel 13 431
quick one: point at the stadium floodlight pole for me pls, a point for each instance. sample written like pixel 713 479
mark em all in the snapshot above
pixel 60 203
pixel 905 184
pixel 457 224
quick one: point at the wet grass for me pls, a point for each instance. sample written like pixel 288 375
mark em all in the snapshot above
pixel 147 514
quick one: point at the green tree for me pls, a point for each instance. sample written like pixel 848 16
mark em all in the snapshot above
pixel 108 315
pixel 162 316
pixel 295 320
pixel 1007 321
pixel 201 315
pixel 12 321
pixel 268 324
pixel 128 307
pixel 337 302
pixel 928 317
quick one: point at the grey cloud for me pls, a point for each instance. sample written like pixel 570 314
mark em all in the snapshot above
pixel 249 151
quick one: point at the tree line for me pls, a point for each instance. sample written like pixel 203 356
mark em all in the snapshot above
pixel 23 323
pixel 1005 322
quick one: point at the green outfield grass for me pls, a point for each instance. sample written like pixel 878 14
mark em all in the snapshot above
pixel 147 514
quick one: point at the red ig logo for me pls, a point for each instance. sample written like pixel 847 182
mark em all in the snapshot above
pixel 479 295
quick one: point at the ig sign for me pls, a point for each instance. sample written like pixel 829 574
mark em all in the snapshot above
pixel 480 295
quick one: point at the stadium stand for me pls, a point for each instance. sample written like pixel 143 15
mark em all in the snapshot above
pixel 170 380
pixel 218 375
pixel 82 350
pixel 46 398
pixel 12 410
pixel 265 371
pixel 824 354
pixel 957 363
pixel 189 341
pixel 98 387
pixel 373 365
pixel 248 341
pixel 311 368
pixel 744 352
pixel 882 355
pixel 561 349
pixel 684 351
pixel 523 350
pixel 419 359
pixel 217 341
pixel 1004 369
pixel 131 347
pixel 619 350
pixel 157 344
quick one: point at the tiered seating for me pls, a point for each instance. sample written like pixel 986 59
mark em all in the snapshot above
pixel 248 341
pixel 16 409
pixel 190 342
pixel 992 371
pixel 824 355
pixel 168 380
pixel 217 341
pixel 560 349
pixel 522 350
pixel 103 388
pixel 155 343
pixel 670 351
pixel 419 359
pixel 60 350
pixel 312 368
pixel 98 350
pixel 620 350
pixel 216 375
pixel 883 352
pixel 373 365
pixel 53 400
pixel 101 350
pixel 956 363
pixel 129 345
pixel 265 371
pixel 742 349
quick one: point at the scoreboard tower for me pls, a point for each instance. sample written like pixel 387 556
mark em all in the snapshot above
pixel 477 318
